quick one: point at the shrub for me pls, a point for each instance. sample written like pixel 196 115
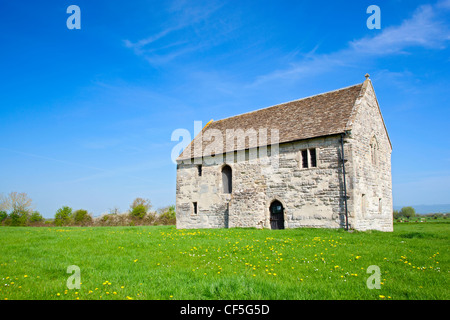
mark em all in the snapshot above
pixel 167 216
pixel 81 217
pixel 3 216
pixel 19 217
pixel 36 217
pixel 138 211
pixel 141 202
pixel 63 216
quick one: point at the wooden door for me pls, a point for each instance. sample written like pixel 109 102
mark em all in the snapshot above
pixel 276 215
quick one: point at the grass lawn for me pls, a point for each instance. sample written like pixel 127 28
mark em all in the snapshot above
pixel 161 262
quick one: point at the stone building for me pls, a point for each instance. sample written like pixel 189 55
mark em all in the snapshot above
pixel 322 161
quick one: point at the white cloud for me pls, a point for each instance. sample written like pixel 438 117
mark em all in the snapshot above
pixel 426 28
pixel 423 29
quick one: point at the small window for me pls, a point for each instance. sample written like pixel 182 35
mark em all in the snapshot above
pixel 227 179
pixel 309 158
pixel 199 170
pixel 312 155
pixel 380 206
pixel 363 203
pixel 374 150
pixel 194 205
pixel 304 158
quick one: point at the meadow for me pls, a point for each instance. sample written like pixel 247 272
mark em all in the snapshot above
pixel 161 262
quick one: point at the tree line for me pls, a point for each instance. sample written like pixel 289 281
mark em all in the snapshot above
pixel 16 209
pixel 409 212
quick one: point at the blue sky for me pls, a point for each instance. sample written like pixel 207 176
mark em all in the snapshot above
pixel 87 115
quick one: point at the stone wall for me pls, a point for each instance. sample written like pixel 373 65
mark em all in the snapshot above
pixel 311 197
pixel 371 181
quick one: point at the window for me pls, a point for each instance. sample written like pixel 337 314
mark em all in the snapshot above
pixel 194 205
pixel 380 206
pixel 199 170
pixel 304 158
pixel 227 179
pixel 309 158
pixel 374 150
pixel 312 154
pixel 363 203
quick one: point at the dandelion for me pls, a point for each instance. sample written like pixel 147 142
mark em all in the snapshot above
pixel 381 296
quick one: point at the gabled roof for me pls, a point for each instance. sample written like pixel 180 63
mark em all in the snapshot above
pixel 320 115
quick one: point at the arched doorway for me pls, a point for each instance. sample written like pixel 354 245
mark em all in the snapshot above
pixel 276 215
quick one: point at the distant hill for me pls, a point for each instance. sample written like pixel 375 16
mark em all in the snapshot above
pixel 428 208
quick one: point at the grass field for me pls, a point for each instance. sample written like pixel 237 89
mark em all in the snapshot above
pixel 161 262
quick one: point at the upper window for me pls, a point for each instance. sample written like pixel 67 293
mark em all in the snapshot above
pixel 199 170
pixel 309 158
pixel 312 157
pixel 227 179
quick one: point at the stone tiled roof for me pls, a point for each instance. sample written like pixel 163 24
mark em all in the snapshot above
pixel 320 115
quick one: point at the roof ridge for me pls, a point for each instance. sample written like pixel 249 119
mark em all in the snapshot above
pixel 287 102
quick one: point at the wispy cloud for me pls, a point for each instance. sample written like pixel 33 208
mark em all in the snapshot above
pixel 182 36
pixel 425 28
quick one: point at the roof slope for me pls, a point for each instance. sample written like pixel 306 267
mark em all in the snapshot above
pixel 320 115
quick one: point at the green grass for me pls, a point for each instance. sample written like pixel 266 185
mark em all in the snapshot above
pixel 161 262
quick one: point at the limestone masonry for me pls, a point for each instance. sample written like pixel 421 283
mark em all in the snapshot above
pixel 284 167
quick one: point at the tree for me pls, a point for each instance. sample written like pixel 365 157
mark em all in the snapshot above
pixel 139 211
pixel 396 214
pixel 81 216
pixel 141 202
pixel 19 218
pixel 140 207
pixel 16 202
pixel 63 216
pixel 408 212
pixel 3 216
pixel 36 217
pixel 114 210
